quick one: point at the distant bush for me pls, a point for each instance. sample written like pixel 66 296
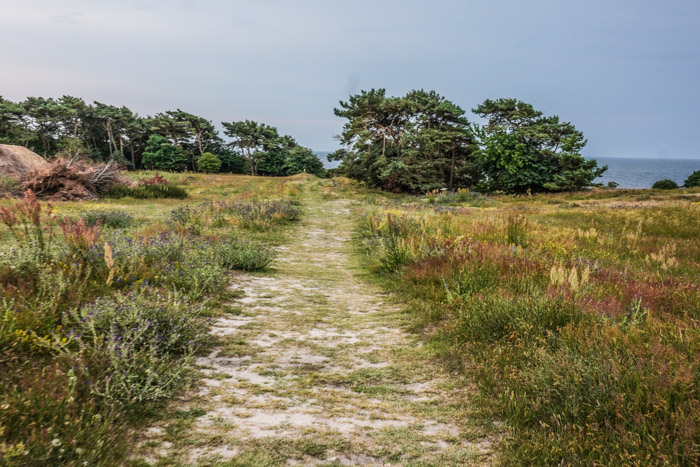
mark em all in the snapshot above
pixel 613 184
pixel 146 192
pixel 665 184
pixel 692 180
pixel 111 219
pixel 209 163
pixel 461 196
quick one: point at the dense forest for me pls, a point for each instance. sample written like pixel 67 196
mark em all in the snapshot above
pixel 422 141
pixel 171 140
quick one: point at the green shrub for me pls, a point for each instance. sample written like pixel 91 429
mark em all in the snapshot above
pixel 235 253
pixel 491 318
pixel 111 219
pixel 146 192
pixel 139 343
pixel 665 184
pixel 693 180
pixel 263 215
pixel 170 260
pixel 209 163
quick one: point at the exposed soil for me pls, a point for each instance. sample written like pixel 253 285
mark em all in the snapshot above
pixel 318 369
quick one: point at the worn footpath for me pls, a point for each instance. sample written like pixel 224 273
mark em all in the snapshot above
pixel 314 367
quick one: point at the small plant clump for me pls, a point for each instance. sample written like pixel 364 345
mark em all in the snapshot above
pixel 154 191
pixel 108 219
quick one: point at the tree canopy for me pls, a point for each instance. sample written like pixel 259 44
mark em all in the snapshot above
pixel 268 153
pixel 169 140
pixel 414 143
pixel 520 149
pixel 422 141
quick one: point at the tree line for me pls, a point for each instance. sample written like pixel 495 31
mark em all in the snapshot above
pixel 171 140
pixel 422 141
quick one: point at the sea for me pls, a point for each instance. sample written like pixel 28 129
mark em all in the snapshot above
pixel 627 172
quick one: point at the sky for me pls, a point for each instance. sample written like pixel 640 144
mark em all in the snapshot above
pixel 625 72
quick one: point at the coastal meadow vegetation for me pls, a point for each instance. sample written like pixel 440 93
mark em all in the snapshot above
pixel 104 306
pixel 577 313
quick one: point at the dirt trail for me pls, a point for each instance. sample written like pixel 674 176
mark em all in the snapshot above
pixel 316 369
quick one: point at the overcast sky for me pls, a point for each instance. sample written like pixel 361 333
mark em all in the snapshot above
pixel 626 73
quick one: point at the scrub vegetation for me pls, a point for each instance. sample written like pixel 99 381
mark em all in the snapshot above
pixel 576 314
pixel 102 312
pixel 362 326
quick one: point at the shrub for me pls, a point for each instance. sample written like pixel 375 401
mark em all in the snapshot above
pixel 31 226
pixel 110 219
pixel 693 180
pixel 209 163
pixel 235 253
pixel 262 215
pixel 665 184
pixel 146 192
pixel 177 262
pixel 141 342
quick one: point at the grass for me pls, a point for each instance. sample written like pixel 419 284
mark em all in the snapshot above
pixel 577 314
pixel 104 305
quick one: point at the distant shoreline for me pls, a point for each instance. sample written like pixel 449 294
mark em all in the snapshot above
pixel 627 172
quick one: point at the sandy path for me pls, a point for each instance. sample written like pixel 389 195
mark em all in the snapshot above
pixel 317 370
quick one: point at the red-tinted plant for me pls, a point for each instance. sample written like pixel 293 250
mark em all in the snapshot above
pixel 29 223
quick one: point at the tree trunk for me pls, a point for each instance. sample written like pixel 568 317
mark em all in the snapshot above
pixel 452 167
pixel 133 158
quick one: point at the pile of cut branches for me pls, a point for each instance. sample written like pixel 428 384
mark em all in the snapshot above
pixel 68 180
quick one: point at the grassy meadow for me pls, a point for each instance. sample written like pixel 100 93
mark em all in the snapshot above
pixel 577 314
pixel 104 305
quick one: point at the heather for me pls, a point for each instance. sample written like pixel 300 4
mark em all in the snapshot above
pixel 575 313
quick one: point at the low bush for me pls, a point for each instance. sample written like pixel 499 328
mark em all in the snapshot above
pixel 110 219
pixel 140 342
pixel 236 253
pixel 146 192
pixel 693 180
pixel 263 215
pixel 665 184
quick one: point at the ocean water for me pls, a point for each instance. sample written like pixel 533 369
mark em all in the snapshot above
pixel 642 173
pixel 628 172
